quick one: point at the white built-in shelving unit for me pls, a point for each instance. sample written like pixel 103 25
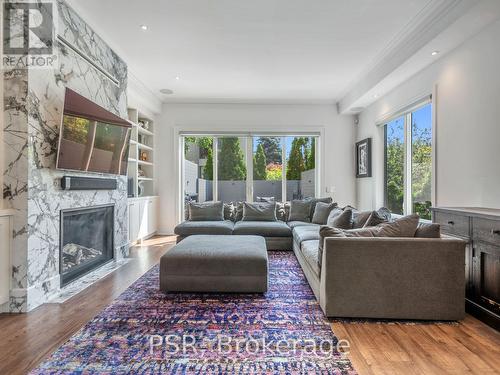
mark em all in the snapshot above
pixel 141 155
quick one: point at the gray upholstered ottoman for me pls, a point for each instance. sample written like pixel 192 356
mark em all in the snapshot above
pixel 208 263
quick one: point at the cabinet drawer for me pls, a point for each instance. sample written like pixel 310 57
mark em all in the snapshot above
pixel 452 223
pixel 486 230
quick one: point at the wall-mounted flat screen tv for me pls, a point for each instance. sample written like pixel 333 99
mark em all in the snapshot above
pixel 92 139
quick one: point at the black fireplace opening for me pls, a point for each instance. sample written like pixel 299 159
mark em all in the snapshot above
pixel 87 240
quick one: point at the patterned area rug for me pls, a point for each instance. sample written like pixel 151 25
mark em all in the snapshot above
pixel 147 331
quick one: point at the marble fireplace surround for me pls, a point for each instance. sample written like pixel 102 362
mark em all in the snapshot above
pixel 33 106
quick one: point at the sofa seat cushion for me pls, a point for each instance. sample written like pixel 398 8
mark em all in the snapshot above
pixel 305 233
pixel 188 228
pixel 309 250
pixel 262 228
pixel 293 224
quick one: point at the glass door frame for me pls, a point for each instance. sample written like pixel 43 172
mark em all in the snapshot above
pixel 248 155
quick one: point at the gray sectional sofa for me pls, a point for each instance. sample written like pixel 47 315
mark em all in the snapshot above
pixel 358 274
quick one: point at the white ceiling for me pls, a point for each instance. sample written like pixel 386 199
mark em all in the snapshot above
pixel 252 50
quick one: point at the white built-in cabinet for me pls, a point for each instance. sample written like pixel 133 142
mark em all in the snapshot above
pixel 4 258
pixel 142 218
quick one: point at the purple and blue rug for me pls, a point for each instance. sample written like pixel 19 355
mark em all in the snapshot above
pixel 145 331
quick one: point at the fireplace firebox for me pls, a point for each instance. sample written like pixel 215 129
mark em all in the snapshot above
pixel 87 240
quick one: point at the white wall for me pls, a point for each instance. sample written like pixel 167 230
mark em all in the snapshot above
pixel 337 143
pixel 467 108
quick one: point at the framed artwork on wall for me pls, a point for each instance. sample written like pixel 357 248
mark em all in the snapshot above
pixel 364 158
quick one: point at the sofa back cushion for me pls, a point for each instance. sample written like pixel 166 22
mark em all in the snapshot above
pixel 206 211
pixel 340 218
pixel 402 227
pixel 405 226
pixel 359 218
pixel 259 211
pixel 300 210
pixel 428 230
pixel 322 211
pixel 375 219
pixel 315 201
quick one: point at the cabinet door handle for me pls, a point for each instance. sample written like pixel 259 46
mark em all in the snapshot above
pixel 451 222
pixel 495 231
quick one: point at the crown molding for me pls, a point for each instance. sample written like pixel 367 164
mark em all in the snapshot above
pixel 433 19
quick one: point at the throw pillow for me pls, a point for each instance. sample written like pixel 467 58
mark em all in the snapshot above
pixel 359 218
pixel 314 201
pixel 342 220
pixel 238 211
pixel 266 199
pixel 385 213
pixel 207 211
pixel 259 211
pixel 229 211
pixel 428 230
pixel 375 219
pixel 300 210
pixel 322 211
pixel 402 227
pixel 333 214
pixel 282 211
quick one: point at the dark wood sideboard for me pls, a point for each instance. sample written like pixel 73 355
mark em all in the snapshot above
pixel 480 227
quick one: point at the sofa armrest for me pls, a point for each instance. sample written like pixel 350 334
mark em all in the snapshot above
pixel 400 278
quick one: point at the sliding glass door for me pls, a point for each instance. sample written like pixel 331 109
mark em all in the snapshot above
pixel 254 167
pixel 231 169
pixel 267 168
pixel 300 167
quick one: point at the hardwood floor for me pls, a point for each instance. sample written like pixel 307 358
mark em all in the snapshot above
pixel 470 347
pixel 26 339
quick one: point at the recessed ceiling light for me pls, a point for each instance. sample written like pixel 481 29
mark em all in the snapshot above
pixel 434 53
pixel 144 27
pixel 177 78
pixel 375 96
pixel 166 91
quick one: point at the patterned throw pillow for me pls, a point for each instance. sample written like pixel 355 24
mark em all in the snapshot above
pixel 282 210
pixel 229 211
pixel 238 211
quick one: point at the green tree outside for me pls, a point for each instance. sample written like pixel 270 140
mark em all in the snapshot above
pixel 272 149
pixel 311 155
pixel 296 160
pixel 208 169
pixel 259 164
pixel 231 160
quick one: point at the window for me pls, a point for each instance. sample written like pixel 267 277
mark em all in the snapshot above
pixel 408 162
pixel 256 167
pixel 300 167
pixel 231 169
pixel 267 168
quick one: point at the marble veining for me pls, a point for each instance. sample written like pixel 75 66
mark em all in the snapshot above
pixel 33 107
